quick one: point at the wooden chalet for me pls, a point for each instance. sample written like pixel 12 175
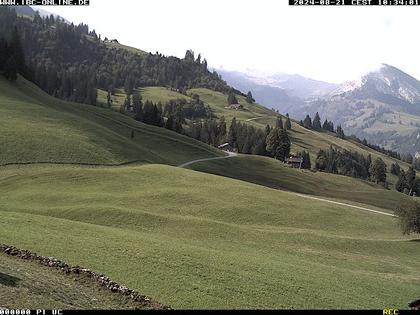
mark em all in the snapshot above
pixel 225 147
pixel 294 161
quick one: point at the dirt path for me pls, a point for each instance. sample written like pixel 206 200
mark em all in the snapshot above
pixel 255 118
pixel 233 154
pixel 343 204
pixel 230 154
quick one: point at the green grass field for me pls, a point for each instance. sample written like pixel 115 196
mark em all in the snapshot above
pixel 192 240
pixel 37 128
pixel 29 285
pixel 275 174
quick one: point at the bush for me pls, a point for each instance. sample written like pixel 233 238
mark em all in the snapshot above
pixel 409 215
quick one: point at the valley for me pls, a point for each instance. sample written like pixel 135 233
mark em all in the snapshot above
pixel 111 158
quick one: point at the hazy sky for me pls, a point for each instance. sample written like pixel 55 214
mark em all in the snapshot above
pixel 327 43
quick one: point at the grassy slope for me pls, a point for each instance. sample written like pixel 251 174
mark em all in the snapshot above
pixel 190 239
pixel 29 285
pixel 271 173
pixel 302 139
pixel 35 127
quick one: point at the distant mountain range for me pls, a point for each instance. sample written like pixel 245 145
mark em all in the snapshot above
pixel 382 106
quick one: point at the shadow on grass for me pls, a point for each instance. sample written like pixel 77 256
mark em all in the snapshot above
pixel 416 240
pixel 8 280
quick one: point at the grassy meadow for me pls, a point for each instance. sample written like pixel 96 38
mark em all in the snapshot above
pixel 37 128
pixel 189 239
pixel 194 240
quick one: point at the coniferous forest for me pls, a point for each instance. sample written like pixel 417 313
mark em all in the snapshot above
pixel 70 61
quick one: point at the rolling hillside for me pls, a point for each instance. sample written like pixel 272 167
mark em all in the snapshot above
pixel 259 116
pixel 185 238
pixel 37 128
pixel 274 174
pixel 192 240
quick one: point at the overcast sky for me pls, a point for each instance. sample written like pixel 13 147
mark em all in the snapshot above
pixel 334 44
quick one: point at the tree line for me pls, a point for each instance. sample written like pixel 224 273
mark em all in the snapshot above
pixel 351 164
pixel 315 124
pixel 12 59
pixel 71 62
pixel 408 182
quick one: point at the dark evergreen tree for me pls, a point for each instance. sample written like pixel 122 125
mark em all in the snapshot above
pixel 233 134
pixel 279 122
pixel 395 169
pixel 11 69
pixel 278 144
pixel 340 132
pixel 249 98
pixel 307 122
pixel 288 124
pixel 17 51
pixel 317 122
pixel 401 183
pixel 306 160
pixel 232 98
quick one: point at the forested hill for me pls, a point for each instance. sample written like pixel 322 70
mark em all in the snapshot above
pixel 70 61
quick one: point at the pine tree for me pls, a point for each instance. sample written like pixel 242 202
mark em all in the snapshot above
pixel 137 104
pixel 233 133
pixel 232 98
pixel 127 102
pixel 307 123
pixel 249 98
pixel 401 183
pixel 410 176
pixel 395 169
pixel 11 69
pixel 267 130
pixel 288 124
pixel 169 124
pixel 278 144
pixel 317 122
pixel 279 122
pixel 306 160
pixel 17 51
pixel 340 132
pixel 222 130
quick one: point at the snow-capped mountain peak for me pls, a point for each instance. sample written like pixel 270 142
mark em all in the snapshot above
pixel 387 80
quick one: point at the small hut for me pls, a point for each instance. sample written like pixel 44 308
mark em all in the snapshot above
pixel 225 147
pixel 294 161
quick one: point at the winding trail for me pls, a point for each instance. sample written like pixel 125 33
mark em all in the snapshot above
pixel 230 155
pixel 343 204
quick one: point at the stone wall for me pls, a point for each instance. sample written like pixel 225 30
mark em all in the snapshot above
pixel 99 278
